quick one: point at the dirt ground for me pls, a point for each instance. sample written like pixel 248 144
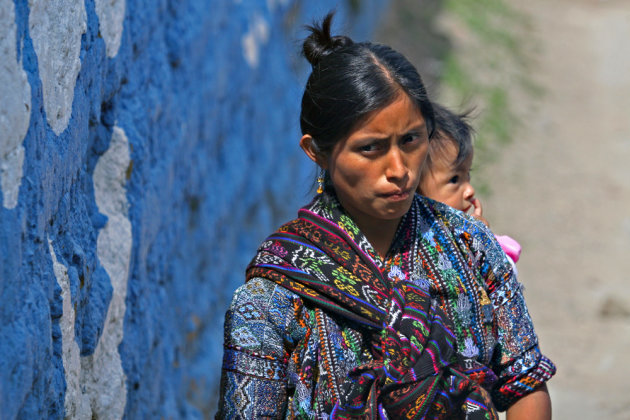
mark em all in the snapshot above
pixel 562 189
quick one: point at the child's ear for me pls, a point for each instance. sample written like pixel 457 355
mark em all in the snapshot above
pixel 307 143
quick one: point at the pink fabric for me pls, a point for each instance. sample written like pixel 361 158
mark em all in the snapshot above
pixel 510 247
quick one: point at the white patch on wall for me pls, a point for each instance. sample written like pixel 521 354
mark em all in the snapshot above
pixel 76 404
pixel 103 377
pixel 96 384
pixel 257 36
pixel 15 108
pixel 56 28
pixel 111 14
pixel 271 4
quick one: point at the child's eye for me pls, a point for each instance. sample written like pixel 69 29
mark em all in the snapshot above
pixel 454 179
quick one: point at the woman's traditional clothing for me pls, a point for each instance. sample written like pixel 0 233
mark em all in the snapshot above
pixel 325 328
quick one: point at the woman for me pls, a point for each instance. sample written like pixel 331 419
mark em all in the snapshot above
pixel 375 302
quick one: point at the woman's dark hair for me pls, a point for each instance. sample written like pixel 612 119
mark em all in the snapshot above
pixel 351 80
pixel 452 127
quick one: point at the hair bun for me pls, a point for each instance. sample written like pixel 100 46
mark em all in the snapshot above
pixel 320 43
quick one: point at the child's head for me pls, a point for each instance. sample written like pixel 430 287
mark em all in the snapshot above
pixel 445 176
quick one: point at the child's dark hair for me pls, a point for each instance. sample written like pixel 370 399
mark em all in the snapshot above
pixel 451 127
pixel 351 80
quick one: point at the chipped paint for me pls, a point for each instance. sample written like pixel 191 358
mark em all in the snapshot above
pixel 103 376
pixel 56 28
pixel 111 15
pixel 201 93
pixel 76 404
pixel 272 4
pixel 257 36
pixel 15 108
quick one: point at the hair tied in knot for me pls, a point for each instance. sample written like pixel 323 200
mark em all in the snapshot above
pixel 321 43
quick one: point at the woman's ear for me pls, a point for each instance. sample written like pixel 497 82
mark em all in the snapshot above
pixel 307 143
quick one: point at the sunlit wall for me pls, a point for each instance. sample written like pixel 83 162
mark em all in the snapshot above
pixel 146 147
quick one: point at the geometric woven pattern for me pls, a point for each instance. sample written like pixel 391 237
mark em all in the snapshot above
pixel 285 358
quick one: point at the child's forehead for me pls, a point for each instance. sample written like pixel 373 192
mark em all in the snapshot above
pixel 464 164
pixel 447 148
pixel 446 151
pixel 444 148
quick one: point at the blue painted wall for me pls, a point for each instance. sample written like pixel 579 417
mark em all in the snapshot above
pixel 206 95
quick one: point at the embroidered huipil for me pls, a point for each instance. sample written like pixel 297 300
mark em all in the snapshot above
pixel 287 357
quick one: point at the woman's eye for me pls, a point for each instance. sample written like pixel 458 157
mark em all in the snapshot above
pixel 368 147
pixel 408 138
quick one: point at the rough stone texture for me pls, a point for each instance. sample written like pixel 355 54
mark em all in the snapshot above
pixel 102 375
pixel 15 108
pixel 150 175
pixel 56 29
pixel 76 404
pixel 111 14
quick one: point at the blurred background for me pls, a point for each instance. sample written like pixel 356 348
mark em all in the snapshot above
pixel 550 85
pixel 147 147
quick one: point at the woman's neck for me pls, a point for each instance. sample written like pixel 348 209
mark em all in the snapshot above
pixel 381 235
pixel 378 231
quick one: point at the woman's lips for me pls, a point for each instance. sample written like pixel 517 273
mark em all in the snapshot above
pixel 396 195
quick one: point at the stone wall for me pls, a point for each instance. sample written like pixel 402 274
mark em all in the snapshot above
pixel 146 147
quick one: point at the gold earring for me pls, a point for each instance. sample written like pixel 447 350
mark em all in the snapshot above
pixel 320 182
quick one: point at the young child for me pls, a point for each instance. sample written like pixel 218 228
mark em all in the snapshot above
pixel 446 174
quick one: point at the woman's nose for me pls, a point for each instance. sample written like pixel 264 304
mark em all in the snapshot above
pixel 396 165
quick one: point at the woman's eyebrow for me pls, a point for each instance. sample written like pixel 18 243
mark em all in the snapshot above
pixel 415 127
pixel 375 135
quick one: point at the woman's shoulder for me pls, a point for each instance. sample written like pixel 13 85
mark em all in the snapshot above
pixel 265 304
pixel 460 225
pixel 453 218
pixel 263 293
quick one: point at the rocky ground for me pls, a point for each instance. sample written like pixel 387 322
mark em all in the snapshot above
pixel 561 187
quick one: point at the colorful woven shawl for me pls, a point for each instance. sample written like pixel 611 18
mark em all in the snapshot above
pixel 414 374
